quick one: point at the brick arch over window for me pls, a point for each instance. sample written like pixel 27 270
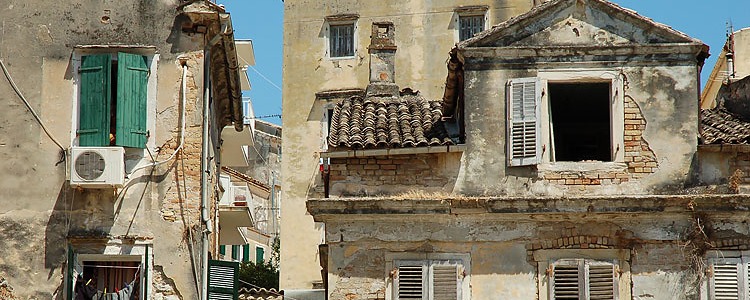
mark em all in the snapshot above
pixel 573 242
pixel 739 243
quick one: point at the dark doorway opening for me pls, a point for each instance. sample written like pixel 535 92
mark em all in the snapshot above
pixel 581 123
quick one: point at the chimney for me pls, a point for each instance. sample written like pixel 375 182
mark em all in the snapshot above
pixel 382 60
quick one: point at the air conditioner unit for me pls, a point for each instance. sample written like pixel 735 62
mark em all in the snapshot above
pixel 97 167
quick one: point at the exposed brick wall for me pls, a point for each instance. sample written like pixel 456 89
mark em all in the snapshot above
pixel 414 170
pixel 639 157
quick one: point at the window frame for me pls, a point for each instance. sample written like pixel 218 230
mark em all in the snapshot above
pixel 394 260
pixel 140 252
pixel 469 11
pixel 341 21
pixel 152 60
pixel 741 259
pixel 617 117
pixel 620 258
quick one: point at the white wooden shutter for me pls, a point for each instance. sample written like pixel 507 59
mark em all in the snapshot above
pixel 726 280
pixel 524 126
pixel 600 282
pixel 567 280
pixel 410 283
pixel 445 284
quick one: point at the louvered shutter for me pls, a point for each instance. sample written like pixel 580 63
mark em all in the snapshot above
pixel 445 283
pixel 223 279
pixel 600 282
pixel 410 281
pixel 94 101
pixel 726 280
pixel 567 280
pixel 132 99
pixel 524 126
pixel 260 255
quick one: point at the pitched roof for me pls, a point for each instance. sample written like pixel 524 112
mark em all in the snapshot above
pixel 719 126
pixel 520 24
pixel 387 122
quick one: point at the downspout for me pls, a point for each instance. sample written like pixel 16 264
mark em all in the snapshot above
pixel 204 175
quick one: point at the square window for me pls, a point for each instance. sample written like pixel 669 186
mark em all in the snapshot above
pixel 341 40
pixel 113 100
pixel 583 279
pixel 469 25
pixel 565 117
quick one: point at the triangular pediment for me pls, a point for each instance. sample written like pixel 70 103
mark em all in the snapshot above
pixel 578 23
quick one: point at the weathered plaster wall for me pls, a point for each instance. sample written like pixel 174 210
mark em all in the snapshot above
pixel 38 210
pixel 423 36
pixel 502 250
pixel 664 100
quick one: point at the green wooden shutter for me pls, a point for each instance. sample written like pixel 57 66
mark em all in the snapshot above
pixel 223 280
pixel 246 253
pixel 259 255
pixel 69 273
pixel 223 249
pixel 132 99
pixel 235 252
pixel 94 101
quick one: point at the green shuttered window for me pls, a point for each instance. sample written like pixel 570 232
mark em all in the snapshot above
pixel 223 280
pixel 118 99
pixel 259 255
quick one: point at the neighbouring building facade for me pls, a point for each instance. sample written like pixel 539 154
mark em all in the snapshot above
pixel 110 136
pixel 326 59
pixel 566 158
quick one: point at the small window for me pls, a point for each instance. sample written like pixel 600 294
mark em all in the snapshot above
pixel 341 40
pixel 583 279
pixel 260 255
pixel 729 278
pixel 580 121
pixel 112 105
pixel 469 25
pixel 428 280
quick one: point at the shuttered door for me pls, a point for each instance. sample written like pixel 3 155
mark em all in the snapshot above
pixel 566 281
pixel 94 101
pixel 725 282
pixel 524 128
pixel 444 281
pixel 601 281
pixel 132 99
pixel 223 278
pixel 411 282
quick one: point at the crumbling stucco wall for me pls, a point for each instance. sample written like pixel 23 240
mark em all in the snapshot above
pixel 502 247
pixel 423 37
pixel 38 210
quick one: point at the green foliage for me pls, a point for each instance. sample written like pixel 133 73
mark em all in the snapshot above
pixel 264 274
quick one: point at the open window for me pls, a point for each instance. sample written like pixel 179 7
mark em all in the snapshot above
pixel 108 276
pixel 565 117
pixel 113 100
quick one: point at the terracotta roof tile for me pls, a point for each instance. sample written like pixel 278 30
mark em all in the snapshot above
pixel 387 122
pixel 720 126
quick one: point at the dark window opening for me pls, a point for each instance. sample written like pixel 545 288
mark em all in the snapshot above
pixel 580 117
pixel 113 104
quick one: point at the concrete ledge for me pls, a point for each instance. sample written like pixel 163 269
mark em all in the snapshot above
pixel 321 209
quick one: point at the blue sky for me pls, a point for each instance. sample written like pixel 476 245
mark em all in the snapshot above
pixel 262 21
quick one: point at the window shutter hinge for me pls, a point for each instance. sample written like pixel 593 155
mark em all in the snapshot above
pixel 618 271
pixel 550 271
pixel 394 273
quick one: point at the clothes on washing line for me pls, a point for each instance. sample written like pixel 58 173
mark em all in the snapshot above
pixel 123 294
pixel 83 291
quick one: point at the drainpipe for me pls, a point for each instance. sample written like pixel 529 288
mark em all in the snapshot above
pixel 204 176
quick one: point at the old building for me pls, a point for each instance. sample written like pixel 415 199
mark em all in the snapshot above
pixel 110 138
pixel 567 159
pixel 325 58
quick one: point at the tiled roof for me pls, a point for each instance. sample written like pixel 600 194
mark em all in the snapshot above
pixel 720 126
pixel 259 294
pixel 387 122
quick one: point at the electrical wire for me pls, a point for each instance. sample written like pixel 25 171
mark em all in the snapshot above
pixel 31 109
pixel 265 78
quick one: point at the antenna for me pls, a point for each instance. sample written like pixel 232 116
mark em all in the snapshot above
pixel 729 48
